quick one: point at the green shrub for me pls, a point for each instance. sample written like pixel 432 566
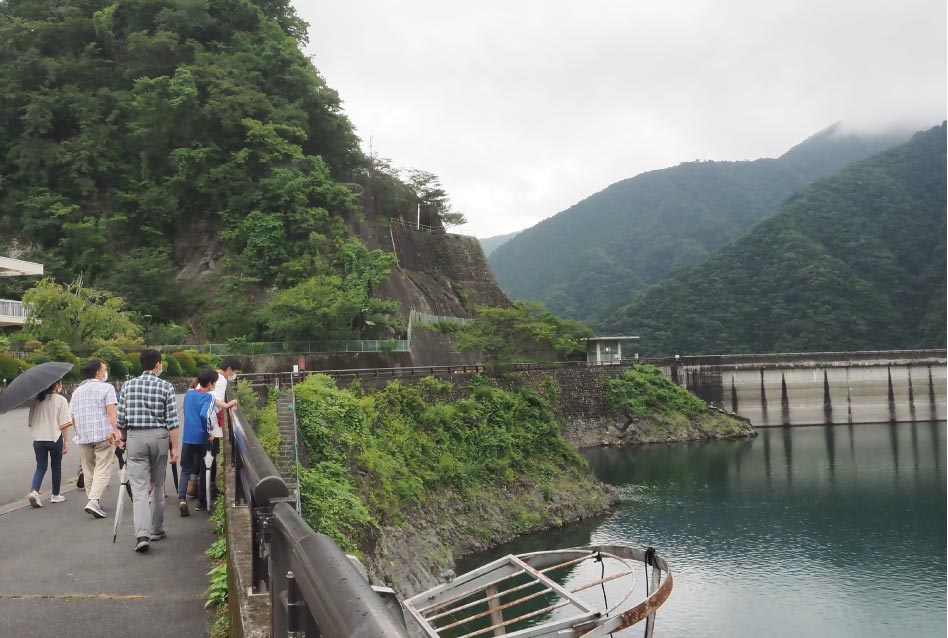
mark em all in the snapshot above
pixel 115 358
pixel 10 366
pixel 262 419
pixel 643 389
pixel 188 363
pixel 133 362
pixel 204 360
pixel 172 366
pixel 405 442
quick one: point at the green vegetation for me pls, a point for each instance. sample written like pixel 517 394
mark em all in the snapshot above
pixel 522 332
pixel 644 390
pixel 264 419
pixel 854 262
pixel 151 139
pixel 375 457
pixel 217 594
pixel 75 314
pixel 617 242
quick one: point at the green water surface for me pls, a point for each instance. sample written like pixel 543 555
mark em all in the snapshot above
pixel 836 531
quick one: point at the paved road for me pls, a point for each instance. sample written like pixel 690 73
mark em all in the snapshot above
pixel 61 575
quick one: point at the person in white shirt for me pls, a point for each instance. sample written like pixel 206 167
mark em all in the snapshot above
pixel 48 418
pixel 94 415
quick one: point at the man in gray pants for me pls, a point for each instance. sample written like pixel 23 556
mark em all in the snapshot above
pixel 147 415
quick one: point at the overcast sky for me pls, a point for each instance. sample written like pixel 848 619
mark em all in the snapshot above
pixel 525 107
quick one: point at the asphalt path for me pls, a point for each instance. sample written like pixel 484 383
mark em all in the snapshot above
pixel 60 573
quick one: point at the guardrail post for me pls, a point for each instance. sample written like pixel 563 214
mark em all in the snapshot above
pixel 293 608
pixel 262 535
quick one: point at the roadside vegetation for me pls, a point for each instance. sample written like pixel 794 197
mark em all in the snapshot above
pixel 216 594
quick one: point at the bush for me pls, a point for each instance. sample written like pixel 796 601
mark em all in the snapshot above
pixel 133 363
pixel 172 366
pixel 262 419
pixel 10 366
pixel 188 363
pixel 645 389
pixel 204 360
pixel 115 358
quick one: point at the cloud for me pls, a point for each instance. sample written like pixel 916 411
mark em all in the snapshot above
pixel 524 108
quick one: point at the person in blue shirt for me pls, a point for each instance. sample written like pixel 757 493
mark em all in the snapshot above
pixel 200 415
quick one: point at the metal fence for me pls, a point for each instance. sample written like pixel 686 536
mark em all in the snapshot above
pixel 424 317
pixel 294 347
pixel 314 588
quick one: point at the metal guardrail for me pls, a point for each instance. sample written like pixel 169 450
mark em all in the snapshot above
pixel 315 590
pixel 283 378
pixel 10 308
pixel 295 347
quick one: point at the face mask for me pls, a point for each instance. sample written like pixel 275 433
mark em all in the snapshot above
pixel 105 377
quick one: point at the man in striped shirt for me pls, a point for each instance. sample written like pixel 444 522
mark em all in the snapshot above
pixel 147 414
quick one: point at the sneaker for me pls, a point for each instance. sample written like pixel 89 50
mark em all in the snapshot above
pixel 141 544
pixel 183 508
pixel 200 507
pixel 57 498
pixel 35 500
pixel 95 509
pixel 158 536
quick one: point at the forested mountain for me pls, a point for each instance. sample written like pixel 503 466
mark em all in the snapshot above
pixel 615 243
pixel 490 244
pixel 854 262
pixel 187 156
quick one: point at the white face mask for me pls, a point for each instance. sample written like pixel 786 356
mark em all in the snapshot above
pixel 105 377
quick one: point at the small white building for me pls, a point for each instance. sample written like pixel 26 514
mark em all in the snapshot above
pixel 12 312
pixel 601 350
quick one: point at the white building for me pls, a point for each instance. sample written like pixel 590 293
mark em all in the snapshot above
pixel 12 312
pixel 605 349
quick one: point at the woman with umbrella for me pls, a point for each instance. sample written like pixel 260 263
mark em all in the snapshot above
pixel 49 417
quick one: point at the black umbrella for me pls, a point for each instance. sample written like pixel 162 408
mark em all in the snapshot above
pixel 32 382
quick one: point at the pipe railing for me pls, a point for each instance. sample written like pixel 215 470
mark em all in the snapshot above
pixel 789 359
pixel 315 589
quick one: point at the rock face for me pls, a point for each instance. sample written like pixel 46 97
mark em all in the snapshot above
pixel 437 273
pixel 410 557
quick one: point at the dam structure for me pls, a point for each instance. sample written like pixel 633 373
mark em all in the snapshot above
pixel 817 388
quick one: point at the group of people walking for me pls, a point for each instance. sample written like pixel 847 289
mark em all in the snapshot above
pixel 143 420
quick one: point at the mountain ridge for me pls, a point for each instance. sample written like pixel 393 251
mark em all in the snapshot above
pixel 640 229
pixel 855 261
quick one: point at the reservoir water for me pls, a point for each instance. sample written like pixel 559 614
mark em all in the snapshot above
pixel 836 531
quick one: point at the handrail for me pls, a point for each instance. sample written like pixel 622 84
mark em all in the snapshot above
pixel 282 378
pixel 334 600
pixel 312 584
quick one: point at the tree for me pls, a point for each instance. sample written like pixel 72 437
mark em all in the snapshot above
pixel 75 315
pixel 435 204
